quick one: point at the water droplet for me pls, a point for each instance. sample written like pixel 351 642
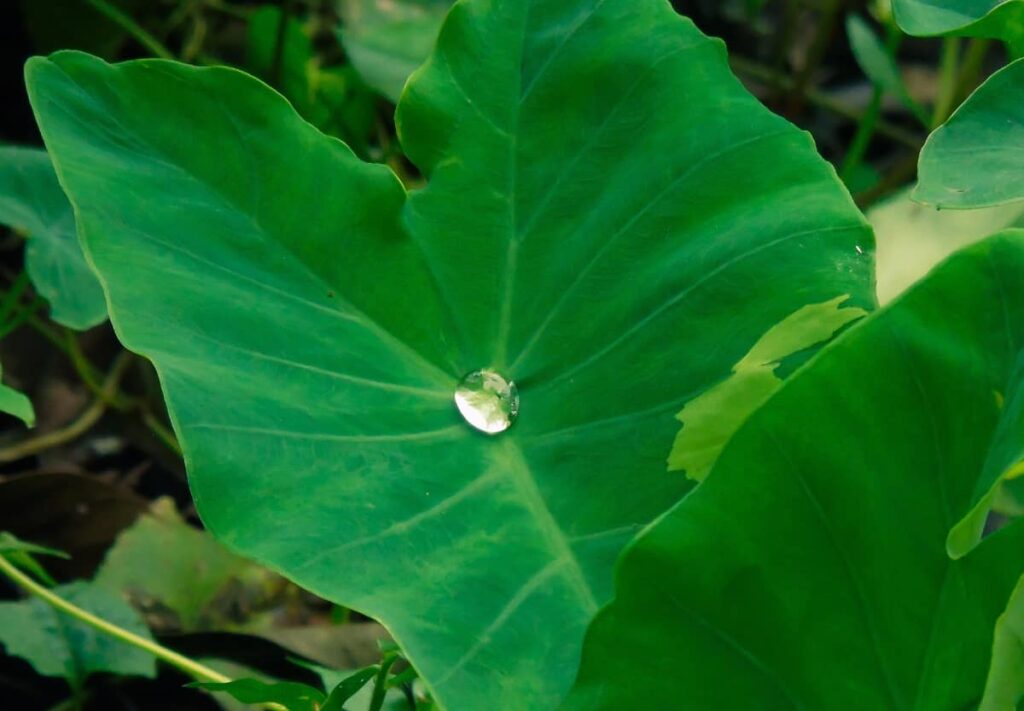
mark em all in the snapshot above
pixel 860 250
pixel 487 401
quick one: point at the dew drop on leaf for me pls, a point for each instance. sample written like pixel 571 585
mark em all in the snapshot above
pixel 487 401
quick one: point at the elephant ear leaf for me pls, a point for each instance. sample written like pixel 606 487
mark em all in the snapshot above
pixel 610 222
pixel 973 160
pixel 31 200
pixel 873 450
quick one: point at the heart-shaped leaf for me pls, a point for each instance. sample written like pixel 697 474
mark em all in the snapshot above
pixel 611 221
pixel 31 200
pixel 59 645
pixel 810 570
pixel 974 159
pixel 977 18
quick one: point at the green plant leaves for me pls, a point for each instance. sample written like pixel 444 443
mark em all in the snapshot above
pixel 310 321
pixel 877 62
pixel 826 583
pixel 17 404
pixel 1004 688
pixel 293 696
pixel 386 40
pixel 31 200
pixel 59 645
pixel 711 419
pixel 974 159
pixel 977 18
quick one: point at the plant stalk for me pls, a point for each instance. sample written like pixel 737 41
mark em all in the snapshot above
pixel 190 667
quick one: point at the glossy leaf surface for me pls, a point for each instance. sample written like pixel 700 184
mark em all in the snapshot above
pixel 59 645
pixel 32 201
pixel 310 321
pixel 974 159
pixel 1004 688
pixel 825 583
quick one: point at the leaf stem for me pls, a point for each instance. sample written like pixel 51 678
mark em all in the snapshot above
pixel 755 71
pixel 178 661
pixel 81 425
pixel 948 70
pixel 126 23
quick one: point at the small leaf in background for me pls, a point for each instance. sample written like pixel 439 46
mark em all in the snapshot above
pixel 386 40
pixel 976 18
pixel 710 419
pixel 21 554
pixel 334 99
pixel 974 159
pixel 292 695
pixel 878 63
pixel 810 569
pixel 347 688
pixel 31 200
pixel 912 238
pixel 56 644
pixel 167 567
pixel 1004 688
pixel 288 67
pixel 16 404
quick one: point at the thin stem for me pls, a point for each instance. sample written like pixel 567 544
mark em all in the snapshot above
pixel 755 71
pixel 862 139
pixel 194 669
pixel 126 23
pixel 380 682
pixel 10 299
pixel 948 67
pixel 970 71
pixel 85 421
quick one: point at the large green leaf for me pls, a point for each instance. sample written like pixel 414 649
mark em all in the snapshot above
pixel 977 18
pixel 59 645
pixel 32 201
pixel 975 158
pixel 610 220
pixel 386 40
pixel 809 571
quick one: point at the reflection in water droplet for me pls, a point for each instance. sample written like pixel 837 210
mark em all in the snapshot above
pixel 487 401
